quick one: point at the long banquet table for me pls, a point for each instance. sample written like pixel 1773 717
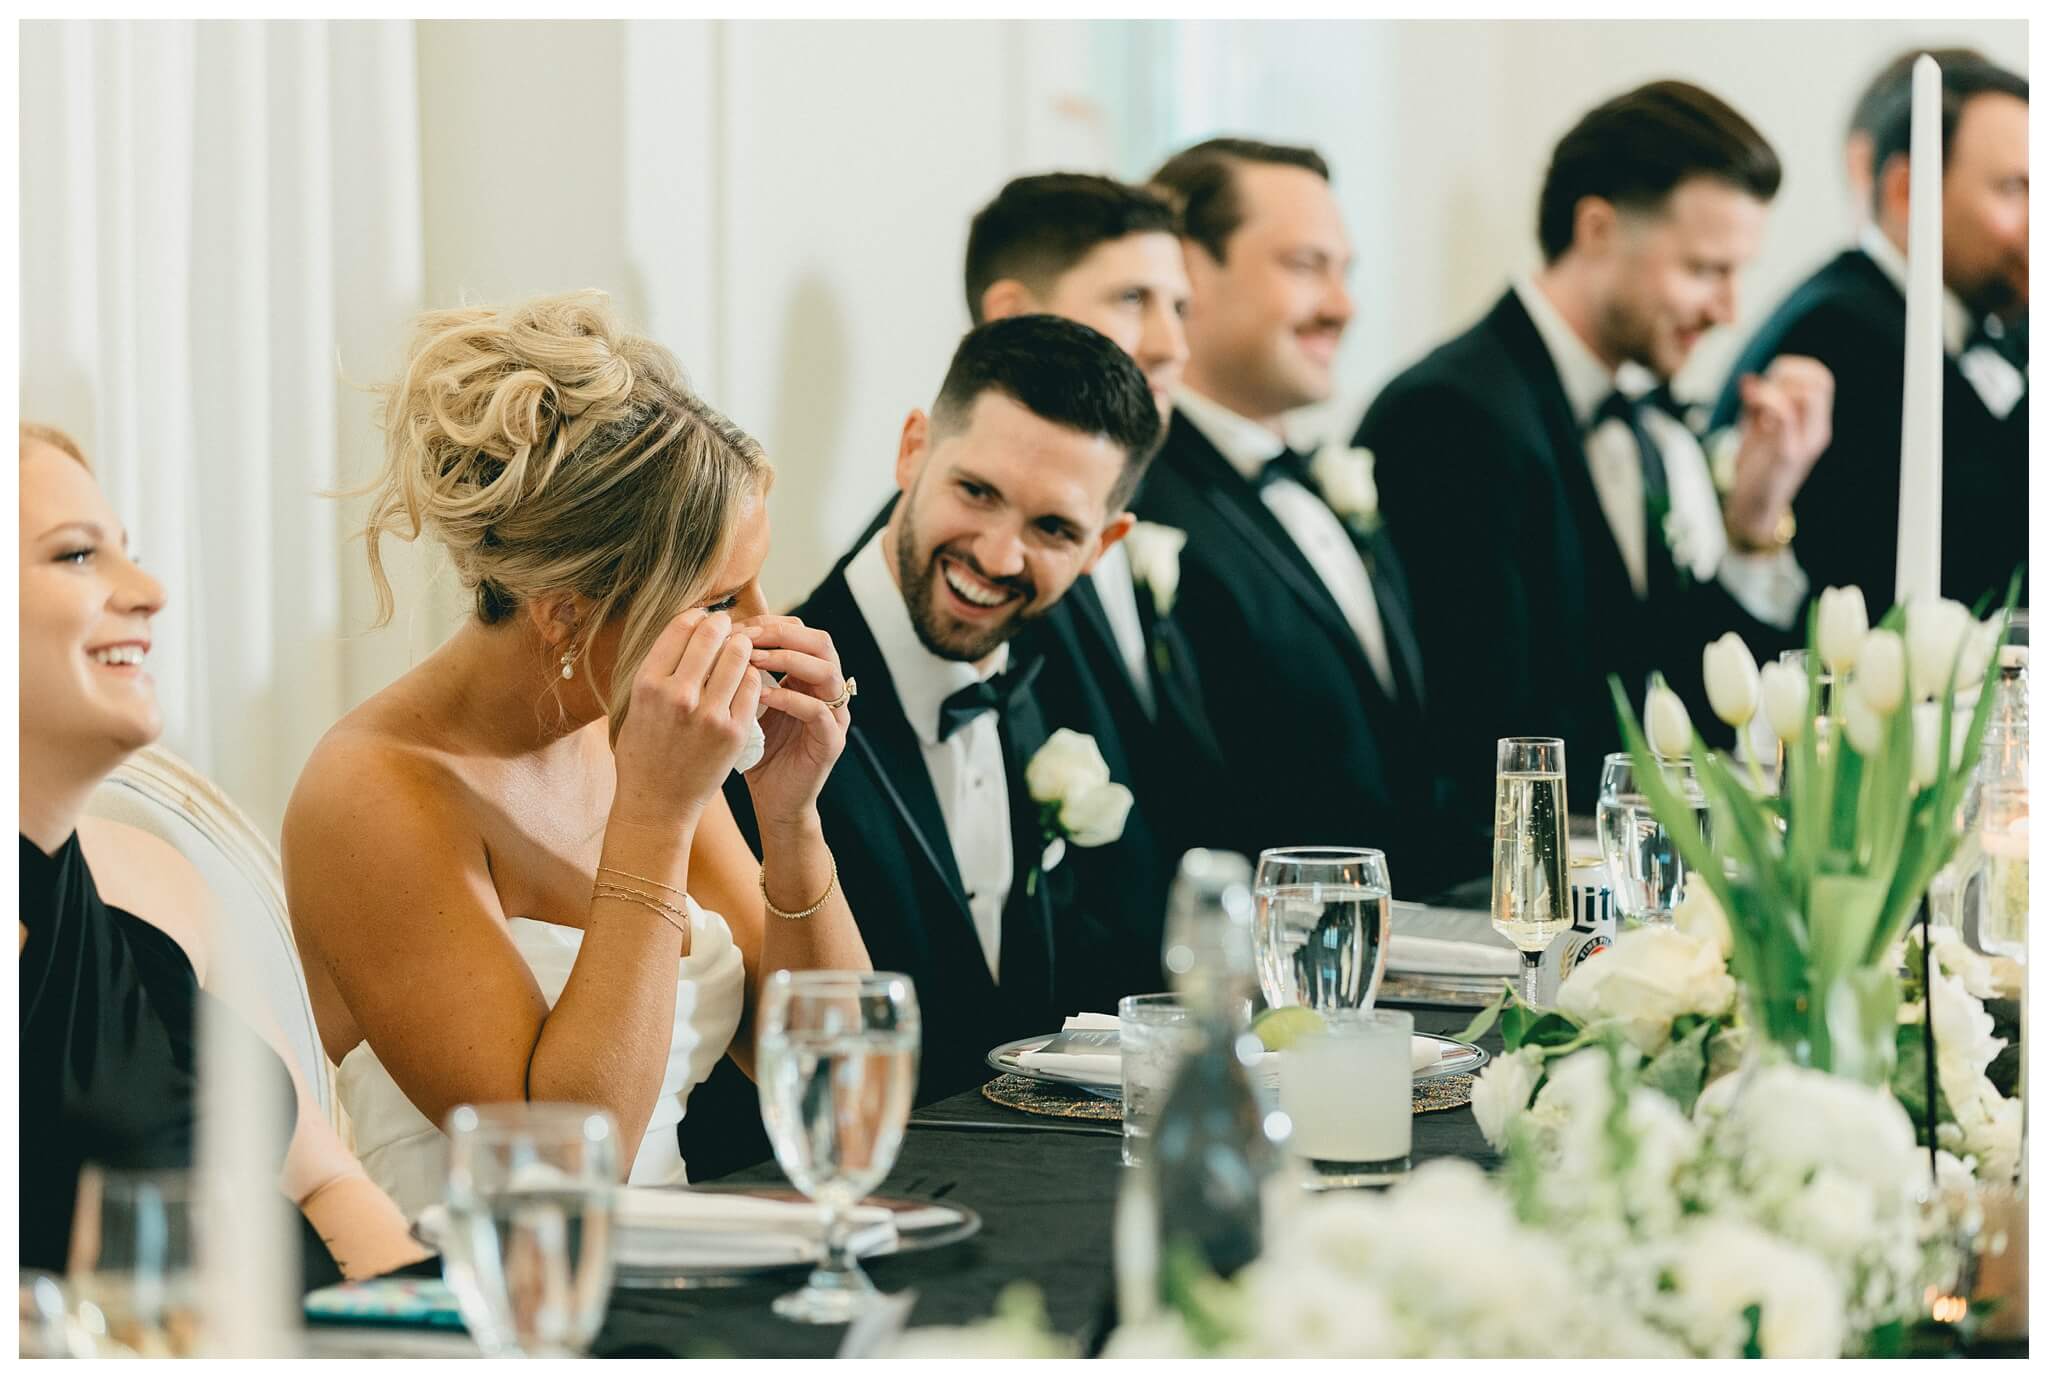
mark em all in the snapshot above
pixel 1046 1192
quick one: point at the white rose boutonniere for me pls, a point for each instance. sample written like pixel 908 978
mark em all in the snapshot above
pixel 1154 553
pixel 1343 475
pixel 1077 801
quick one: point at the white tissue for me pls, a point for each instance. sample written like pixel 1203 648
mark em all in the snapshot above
pixel 751 753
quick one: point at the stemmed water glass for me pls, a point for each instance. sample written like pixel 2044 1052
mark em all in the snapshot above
pixel 529 1247
pixel 837 1065
pixel 1321 920
pixel 1643 863
pixel 1532 899
pixel 132 1268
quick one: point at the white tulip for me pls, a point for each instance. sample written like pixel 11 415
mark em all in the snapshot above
pixel 1976 661
pixel 1096 816
pixel 1667 723
pixel 1936 631
pixel 1783 688
pixel 1067 765
pixel 1881 672
pixel 1860 722
pixel 1927 744
pixel 1731 676
pixel 1843 621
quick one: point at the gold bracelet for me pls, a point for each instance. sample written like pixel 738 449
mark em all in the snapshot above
pixel 801 913
pixel 675 917
pixel 650 880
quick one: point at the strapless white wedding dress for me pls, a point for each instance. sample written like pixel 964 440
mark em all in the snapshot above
pixel 407 1155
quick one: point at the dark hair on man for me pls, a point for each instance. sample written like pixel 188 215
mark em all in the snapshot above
pixel 1963 79
pixel 1636 149
pixel 1040 226
pixel 1203 184
pixel 1064 372
pixel 1896 76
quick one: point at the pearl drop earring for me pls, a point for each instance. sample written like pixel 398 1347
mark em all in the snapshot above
pixel 569 663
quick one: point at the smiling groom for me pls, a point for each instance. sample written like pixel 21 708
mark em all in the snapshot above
pixel 1011 489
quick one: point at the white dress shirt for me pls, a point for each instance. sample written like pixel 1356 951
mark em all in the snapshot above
pixel 966 769
pixel 1112 576
pixel 1319 532
pixel 1997 381
pixel 1771 587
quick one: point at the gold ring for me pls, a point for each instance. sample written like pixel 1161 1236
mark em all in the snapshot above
pixel 845 694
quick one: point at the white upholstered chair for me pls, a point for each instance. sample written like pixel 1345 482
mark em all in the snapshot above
pixel 162 795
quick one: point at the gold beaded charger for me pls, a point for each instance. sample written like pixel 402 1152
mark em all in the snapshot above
pixel 1042 1098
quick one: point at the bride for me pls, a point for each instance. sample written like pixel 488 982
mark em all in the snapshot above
pixel 512 872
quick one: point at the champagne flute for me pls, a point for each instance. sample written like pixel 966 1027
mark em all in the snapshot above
pixel 133 1265
pixel 1532 899
pixel 529 1247
pixel 837 1061
pixel 1322 916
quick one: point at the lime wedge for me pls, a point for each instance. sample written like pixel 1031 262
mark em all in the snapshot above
pixel 1283 1027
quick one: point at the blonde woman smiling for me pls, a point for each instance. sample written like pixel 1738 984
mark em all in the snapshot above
pixel 512 872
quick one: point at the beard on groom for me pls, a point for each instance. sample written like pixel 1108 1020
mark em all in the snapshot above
pixel 959 798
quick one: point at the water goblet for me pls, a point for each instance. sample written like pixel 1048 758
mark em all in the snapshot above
pixel 837 1062
pixel 529 1246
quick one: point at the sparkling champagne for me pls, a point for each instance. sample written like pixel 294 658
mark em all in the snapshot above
pixel 1532 899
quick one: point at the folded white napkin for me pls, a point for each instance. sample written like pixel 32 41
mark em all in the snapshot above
pixel 661 1227
pixel 666 1226
pixel 1449 957
pixel 1106 1069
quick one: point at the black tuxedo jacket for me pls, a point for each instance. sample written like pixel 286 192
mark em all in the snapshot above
pixel 1169 759
pixel 1522 602
pixel 1314 749
pixel 1066 946
pixel 1852 318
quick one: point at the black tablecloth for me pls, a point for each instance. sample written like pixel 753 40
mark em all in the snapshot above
pixel 1046 1192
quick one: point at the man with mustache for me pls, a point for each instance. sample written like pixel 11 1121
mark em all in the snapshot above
pixel 1294 603
pixel 1108 255
pixel 1010 490
pixel 1851 315
pixel 1557 517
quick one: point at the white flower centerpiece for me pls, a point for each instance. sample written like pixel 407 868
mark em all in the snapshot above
pixel 1819 880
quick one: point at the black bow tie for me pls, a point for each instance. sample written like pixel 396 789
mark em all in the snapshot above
pixel 996 694
pixel 1288 464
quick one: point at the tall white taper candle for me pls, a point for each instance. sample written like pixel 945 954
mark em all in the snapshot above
pixel 1919 574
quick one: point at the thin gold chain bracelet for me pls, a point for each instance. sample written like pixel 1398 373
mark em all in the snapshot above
pixel 830 886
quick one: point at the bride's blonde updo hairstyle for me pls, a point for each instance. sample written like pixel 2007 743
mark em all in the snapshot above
pixel 551 451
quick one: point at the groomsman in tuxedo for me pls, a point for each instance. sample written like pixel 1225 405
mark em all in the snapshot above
pixel 1293 601
pixel 1859 146
pixel 1851 315
pixel 1011 489
pixel 1108 255
pixel 1558 520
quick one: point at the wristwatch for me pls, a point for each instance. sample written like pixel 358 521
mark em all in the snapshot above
pixel 1780 537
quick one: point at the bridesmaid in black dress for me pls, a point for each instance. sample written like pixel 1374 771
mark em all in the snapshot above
pixel 111 968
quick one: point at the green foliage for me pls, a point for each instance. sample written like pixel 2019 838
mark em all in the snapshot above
pixel 1680 1069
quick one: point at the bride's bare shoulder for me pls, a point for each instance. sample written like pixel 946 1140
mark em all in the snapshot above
pixel 372 781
